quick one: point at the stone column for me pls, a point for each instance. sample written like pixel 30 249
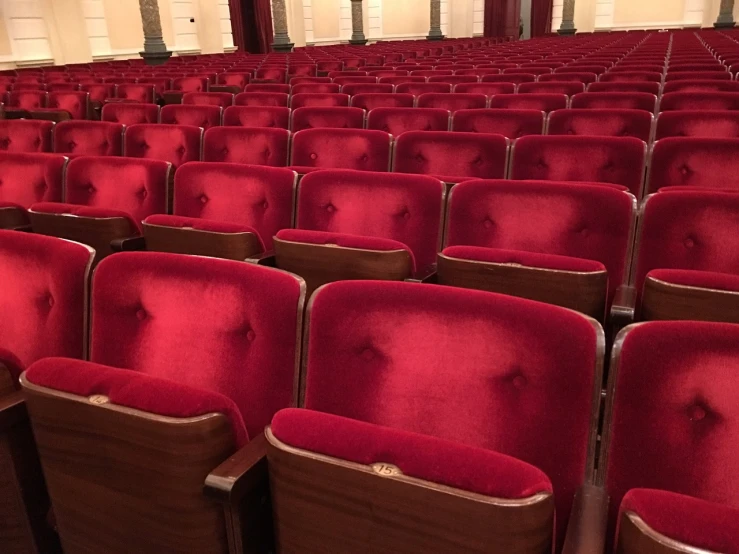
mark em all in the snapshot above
pixel 357 24
pixel 435 31
pixel 155 51
pixel 279 21
pixel 725 15
pixel 568 18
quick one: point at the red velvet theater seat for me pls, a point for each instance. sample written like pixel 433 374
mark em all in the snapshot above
pixel 721 75
pixel 617 160
pixel 331 88
pixel 568 88
pixel 699 101
pixel 451 156
pixel 220 99
pixel 685 266
pixel 509 123
pixel 615 100
pixel 635 86
pixel 360 149
pixel 76 104
pixel 191 358
pixel 399 120
pixel 257 116
pixel 699 123
pixel 701 85
pixel 562 243
pixel 488 89
pixel 631 76
pixel 417 89
pixel 25 135
pixel 106 198
pixel 372 101
pixel 318 100
pixel 176 144
pixel 224 210
pixel 584 77
pixel 605 122
pixel 386 370
pixel 27 179
pixel 43 307
pixel 362 225
pixel 130 113
pixel 261 99
pixel 247 145
pixel 366 88
pixel 694 162
pixel 452 102
pixel 27 99
pixel 141 93
pixel 323 118
pixel 672 481
pixel 196 115
pixel 88 138
pixel 542 102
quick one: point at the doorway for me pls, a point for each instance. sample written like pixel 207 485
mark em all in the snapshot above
pixel 526 18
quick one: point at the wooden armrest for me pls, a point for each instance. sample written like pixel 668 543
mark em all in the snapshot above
pixel 128 244
pixel 586 531
pixel 427 275
pixel 231 480
pixel 265 258
pixel 623 308
pixel 12 410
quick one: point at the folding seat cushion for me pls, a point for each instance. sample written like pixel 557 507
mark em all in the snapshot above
pixel 257 116
pixel 676 375
pixel 579 227
pixel 605 122
pixel 451 156
pixel 197 115
pixel 694 162
pixel 224 210
pixel 699 101
pixel 27 99
pixel 261 99
pixel 370 102
pixel 318 100
pixel 630 76
pixel 144 94
pixel 176 144
pixel 488 89
pixel 617 160
pixel 699 123
pixel 130 113
pixel 247 145
pixel 173 315
pixel 509 123
pixel 399 120
pixel 27 179
pixel 329 117
pixel 418 89
pixel 539 101
pixel 615 100
pixel 367 88
pixel 88 138
pixel 220 99
pixel 25 135
pixel 267 87
pixel 360 149
pixel 701 85
pixel 316 88
pixel 703 75
pixel 452 102
pixel 401 421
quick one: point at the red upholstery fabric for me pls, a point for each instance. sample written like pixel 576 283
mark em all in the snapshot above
pixel 697 523
pixel 488 89
pixel 76 103
pixel 700 279
pixel 399 120
pixel 362 149
pixel 509 123
pixel 577 220
pixel 170 316
pixel 698 123
pixel 261 99
pixel 42 297
pixel 452 102
pixel 234 79
pixel 402 208
pixel 259 146
pixel 367 88
pixel 318 100
pixel 618 160
pixel 99 92
pixel 694 162
pixel 332 88
pixel 133 390
pixel 699 101
pixel 722 75
pixel 88 138
pixel 421 456
pixel 417 89
pixel 257 116
pixel 190 84
pixel 520 257
pixel 60 208
pixel 220 99
pixel 543 102
pixel 196 115
pixel 689 230
pixel 331 117
pixel 628 76
pixel 176 144
pixel 130 113
pixel 136 187
pixel 701 85
pixel 361 242
pixel 552 87
pixel 255 196
pixel 27 99
pixel 197 224
pixel 648 87
pixel 585 77
pixel 25 135
pixel 451 156
pixel 381 100
pixel 672 425
pixel 615 100
pixel 142 93
pixel 29 178
pixel 516 78
pixel 408 357
pixel 606 123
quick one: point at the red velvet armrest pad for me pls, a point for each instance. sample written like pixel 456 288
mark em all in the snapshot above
pixel 199 224
pixel 304 169
pixel 700 279
pixel 125 387
pixel 82 211
pixel 424 457
pixel 529 259
pixel 689 520
pixel 10 361
pixel 345 240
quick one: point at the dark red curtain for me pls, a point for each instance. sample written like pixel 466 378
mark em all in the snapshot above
pixel 237 24
pixel 251 25
pixel 263 24
pixel 541 17
pixel 502 18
